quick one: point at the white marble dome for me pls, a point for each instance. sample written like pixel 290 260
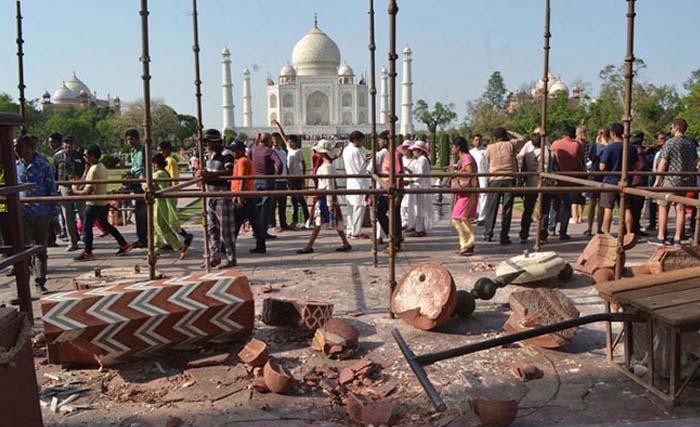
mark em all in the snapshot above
pixel 345 71
pixel 559 86
pixel 288 71
pixel 316 54
pixel 64 94
pixel 554 85
pixel 226 52
pixel 76 86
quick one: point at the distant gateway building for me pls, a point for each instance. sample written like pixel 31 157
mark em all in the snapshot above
pixel 315 94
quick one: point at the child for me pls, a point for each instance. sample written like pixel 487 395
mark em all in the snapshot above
pixel 325 207
pixel 165 221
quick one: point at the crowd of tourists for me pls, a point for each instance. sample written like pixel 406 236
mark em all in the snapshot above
pixel 573 152
pixel 275 161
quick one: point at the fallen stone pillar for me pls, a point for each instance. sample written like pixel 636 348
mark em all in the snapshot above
pixel 113 324
pixel 534 308
pixel 300 314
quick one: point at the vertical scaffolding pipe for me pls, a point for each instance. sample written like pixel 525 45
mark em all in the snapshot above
pixel 373 132
pixel 543 127
pixel 149 194
pixel 16 230
pixel 200 145
pixel 629 65
pixel 393 11
pixel 20 69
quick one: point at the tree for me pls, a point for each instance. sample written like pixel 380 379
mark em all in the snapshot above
pixel 164 120
pixel 444 149
pixel 495 94
pixel 690 108
pixel 483 118
pixel 438 118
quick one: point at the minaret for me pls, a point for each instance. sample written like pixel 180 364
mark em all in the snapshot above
pixel 384 99
pixel 226 91
pixel 407 95
pixel 247 110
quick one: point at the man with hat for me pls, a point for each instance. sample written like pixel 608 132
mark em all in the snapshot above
pixel 220 215
pixel 69 164
pixel 355 164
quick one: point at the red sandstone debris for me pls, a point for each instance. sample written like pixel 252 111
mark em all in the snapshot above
pixel 335 337
pixel 354 406
pixel 362 410
pixel 266 289
pixel 425 297
pixel 601 252
pixel 526 372
pixel 255 353
pixel 208 361
pixel 378 412
pixel 533 308
pixel 494 413
pixel 603 275
pixel 276 376
pixel 301 314
pixel 670 258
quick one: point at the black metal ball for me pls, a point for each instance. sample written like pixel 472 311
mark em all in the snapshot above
pixel 484 288
pixel 465 303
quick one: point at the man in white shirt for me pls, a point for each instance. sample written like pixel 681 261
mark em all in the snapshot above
pixel 355 164
pixel 280 184
pixel 479 153
pixel 296 166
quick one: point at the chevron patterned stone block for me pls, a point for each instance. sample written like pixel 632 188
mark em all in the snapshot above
pixel 113 324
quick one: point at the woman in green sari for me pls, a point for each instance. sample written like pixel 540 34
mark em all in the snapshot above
pixel 165 220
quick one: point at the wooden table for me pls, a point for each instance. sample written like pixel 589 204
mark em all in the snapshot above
pixel 668 300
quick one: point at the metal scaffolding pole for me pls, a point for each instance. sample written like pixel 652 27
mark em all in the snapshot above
pixel 373 133
pixel 149 194
pixel 392 195
pixel 20 70
pixel 543 129
pixel 200 145
pixel 629 64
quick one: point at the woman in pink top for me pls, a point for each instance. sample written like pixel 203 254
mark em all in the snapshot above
pixel 464 209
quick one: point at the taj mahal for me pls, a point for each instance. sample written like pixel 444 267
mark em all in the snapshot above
pixel 316 94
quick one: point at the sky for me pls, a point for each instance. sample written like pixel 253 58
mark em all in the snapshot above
pixel 456 44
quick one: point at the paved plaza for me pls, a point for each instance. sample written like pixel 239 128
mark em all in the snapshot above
pixel 578 387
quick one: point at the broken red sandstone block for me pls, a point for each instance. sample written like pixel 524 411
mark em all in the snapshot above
pixel 603 275
pixel 354 406
pixel 335 337
pixel 378 412
pixel 255 353
pixel 601 252
pixel 533 308
pixel 276 376
pixel 426 296
pixel 494 413
pixel 301 314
